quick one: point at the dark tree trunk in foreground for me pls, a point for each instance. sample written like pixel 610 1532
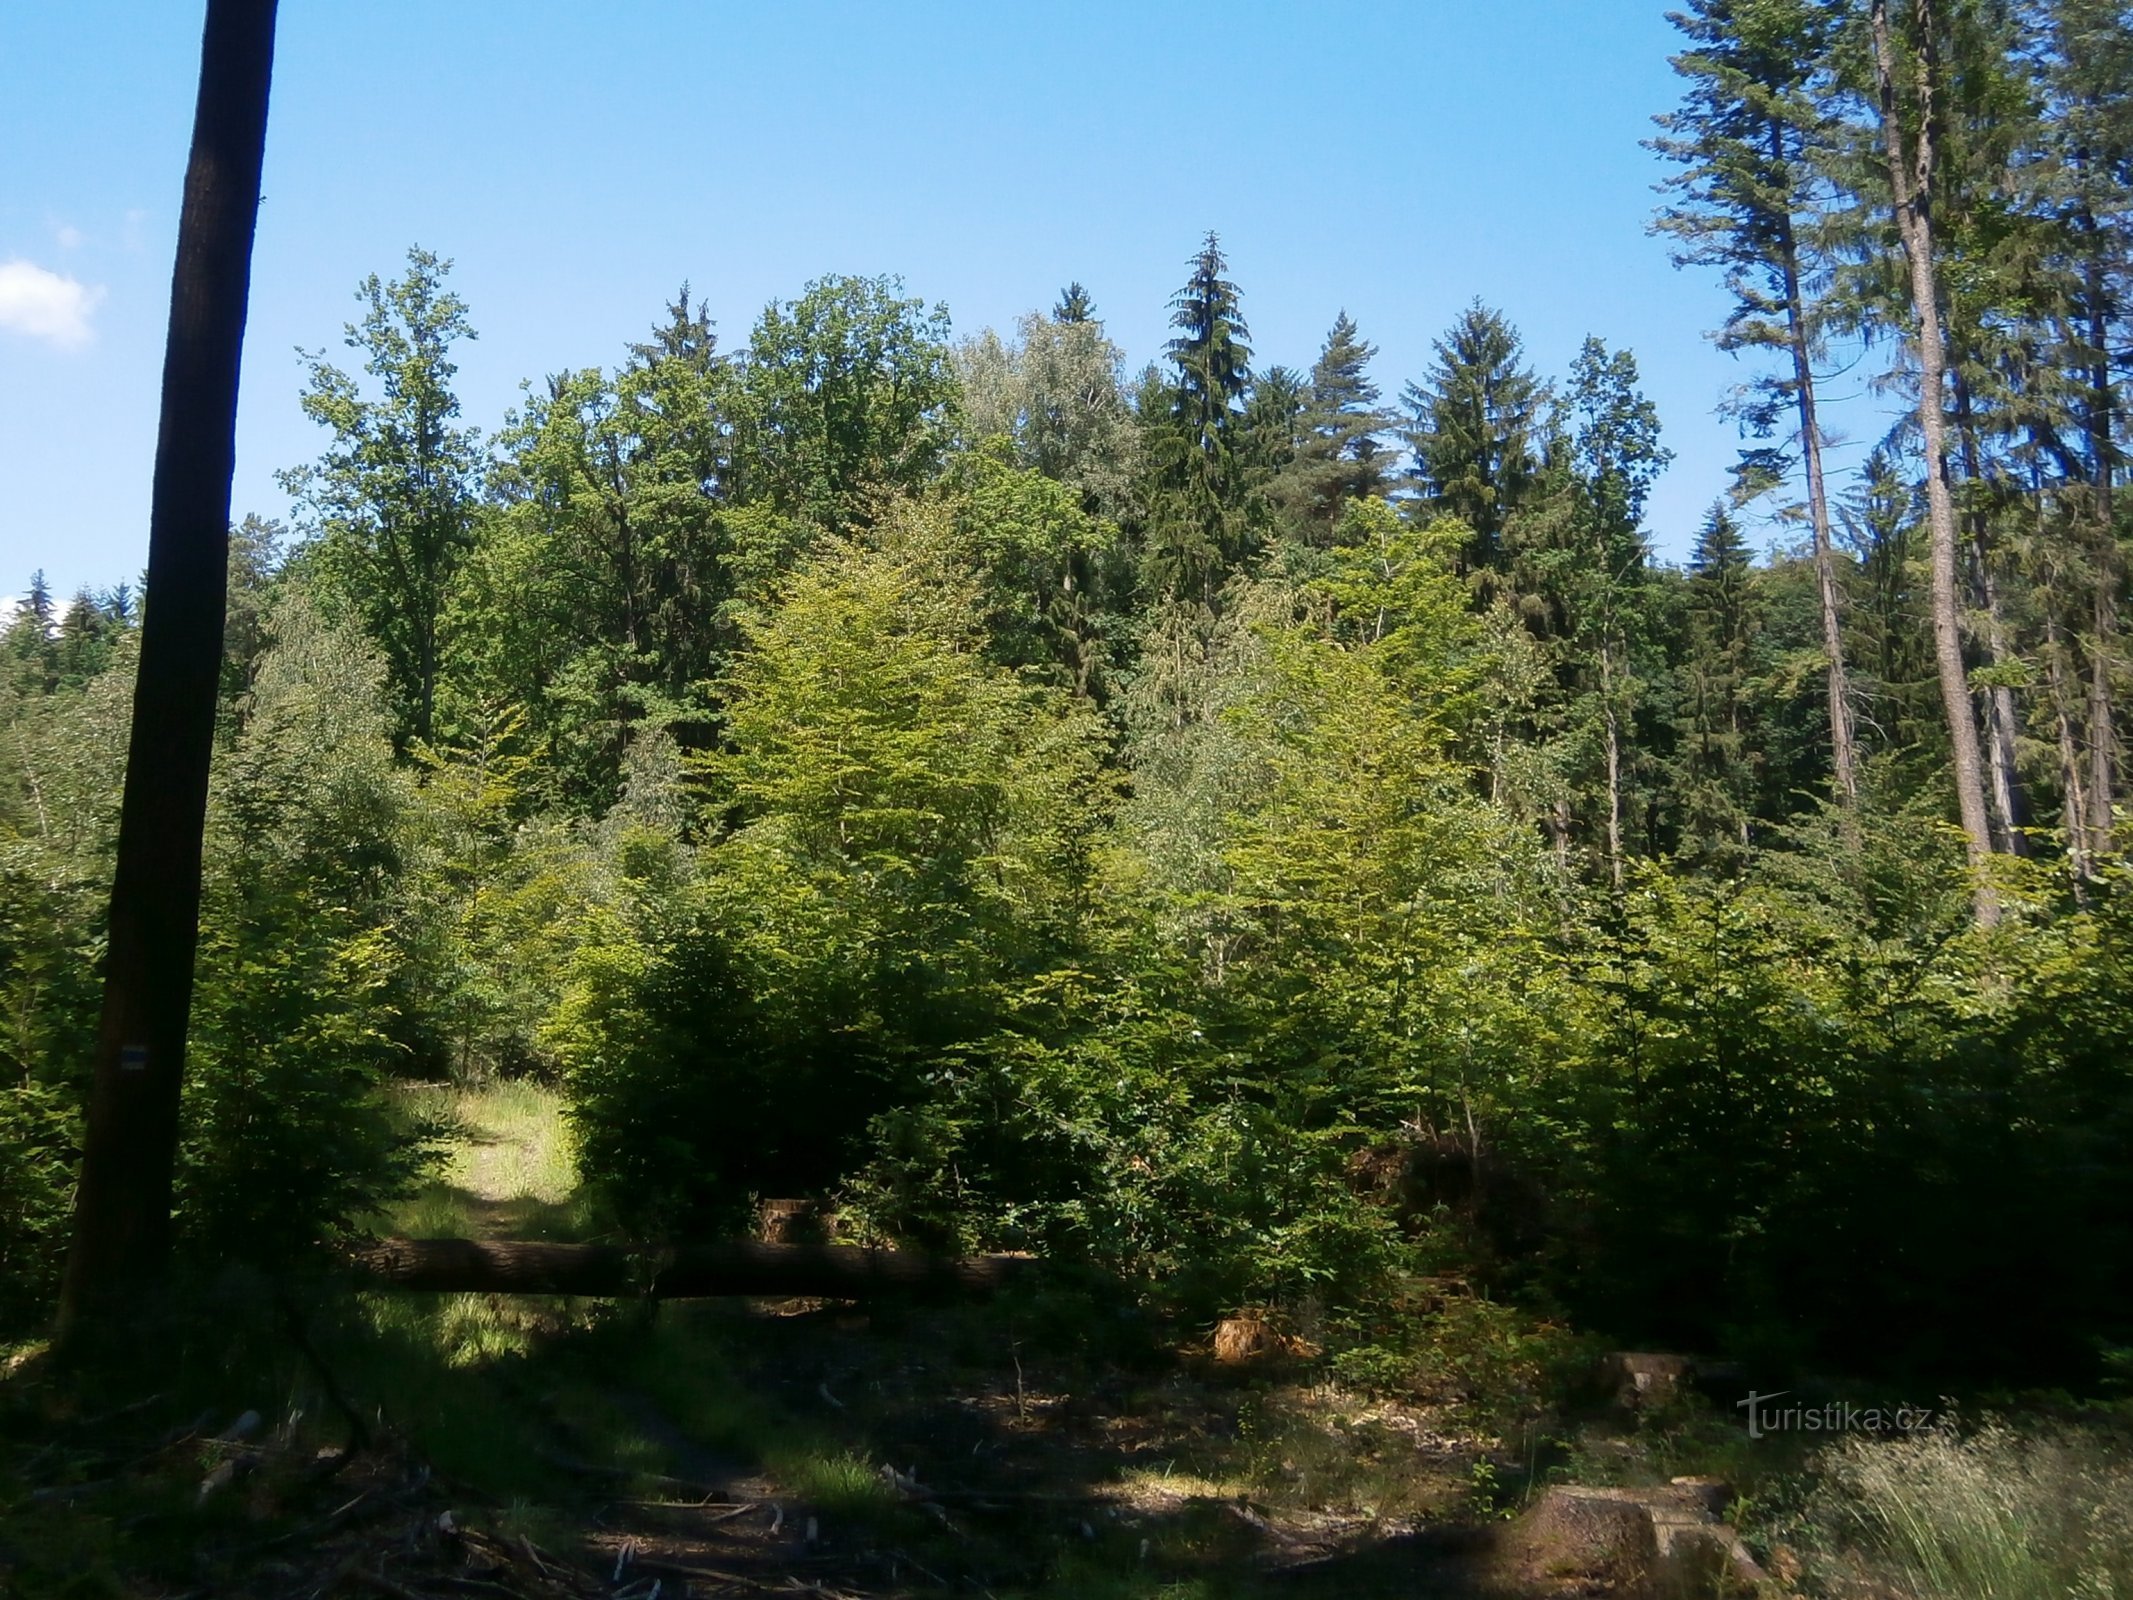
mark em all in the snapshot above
pixel 121 1244
pixel 835 1271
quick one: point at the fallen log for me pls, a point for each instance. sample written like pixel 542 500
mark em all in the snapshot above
pixel 832 1271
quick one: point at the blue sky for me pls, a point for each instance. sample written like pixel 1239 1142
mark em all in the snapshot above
pixel 577 162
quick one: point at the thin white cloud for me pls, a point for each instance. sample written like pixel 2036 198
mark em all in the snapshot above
pixel 69 236
pixel 45 305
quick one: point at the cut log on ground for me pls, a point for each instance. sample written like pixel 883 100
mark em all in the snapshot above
pixel 832 1271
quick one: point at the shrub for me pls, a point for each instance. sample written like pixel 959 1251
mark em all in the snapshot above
pixel 287 1134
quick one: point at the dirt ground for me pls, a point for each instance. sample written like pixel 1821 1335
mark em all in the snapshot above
pixel 835 1451
pixel 420 1445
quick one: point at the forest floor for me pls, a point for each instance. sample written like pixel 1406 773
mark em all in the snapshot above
pixel 517 1446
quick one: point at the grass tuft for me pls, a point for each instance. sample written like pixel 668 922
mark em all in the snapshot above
pixel 1989 1515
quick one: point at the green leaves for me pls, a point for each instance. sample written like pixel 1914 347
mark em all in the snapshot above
pixel 288 1136
pixel 390 504
pixel 846 392
pixel 905 831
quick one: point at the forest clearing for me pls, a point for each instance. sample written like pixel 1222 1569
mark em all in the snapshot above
pixel 875 958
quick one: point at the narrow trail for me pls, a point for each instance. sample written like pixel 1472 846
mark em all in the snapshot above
pixel 894 1450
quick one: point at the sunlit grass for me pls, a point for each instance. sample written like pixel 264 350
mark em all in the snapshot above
pixel 1992 1515
pixel 840 1483
pixel 1140 1483
pixel 510 1169
pixel 515 1143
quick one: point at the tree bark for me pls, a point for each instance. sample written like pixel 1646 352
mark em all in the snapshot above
pixel 2101 428
pixel 121 1242
pixel 2072 780
pixel 1911 185
pixel 2103 759
pixel 1844 761
pixel 2003 723
pixel 496 1266
pixel 1614 777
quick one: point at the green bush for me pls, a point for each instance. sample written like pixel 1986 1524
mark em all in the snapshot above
pixel 1883 1153
pixel 288 1135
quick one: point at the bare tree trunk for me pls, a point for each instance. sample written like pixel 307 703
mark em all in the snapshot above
pixel 1614 800
pixel 2003 724
pixel 1614 769
pixel 121 1243
pixel 1844 761
pixel 2072 780
pixel 1911 185
pixel 2002 720
pixel 2103 648
pixel 501 1266
pixel 2103 742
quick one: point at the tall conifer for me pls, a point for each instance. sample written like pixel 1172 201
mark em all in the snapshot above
pixel 1196 531
pixel 1749 136
pixel 1473 426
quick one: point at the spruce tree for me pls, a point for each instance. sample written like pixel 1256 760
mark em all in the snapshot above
pixel 1473 427
pixel 1714 741
pixel 1196 530
pixel 1074 305
pixel 29 639
pixel 2072 407
pixel 1275 434
pixel 1338 458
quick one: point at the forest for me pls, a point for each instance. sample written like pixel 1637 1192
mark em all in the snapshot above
pixel 1274 845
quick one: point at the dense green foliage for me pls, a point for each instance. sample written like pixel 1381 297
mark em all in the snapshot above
pixel 1167 825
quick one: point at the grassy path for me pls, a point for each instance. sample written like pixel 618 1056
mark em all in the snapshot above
pixel 1036 1446
pixel 510 1169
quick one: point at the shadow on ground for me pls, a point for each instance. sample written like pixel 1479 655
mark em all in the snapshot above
pixel 1029 1448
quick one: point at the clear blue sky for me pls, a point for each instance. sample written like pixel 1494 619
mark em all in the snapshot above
pixel 579 161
